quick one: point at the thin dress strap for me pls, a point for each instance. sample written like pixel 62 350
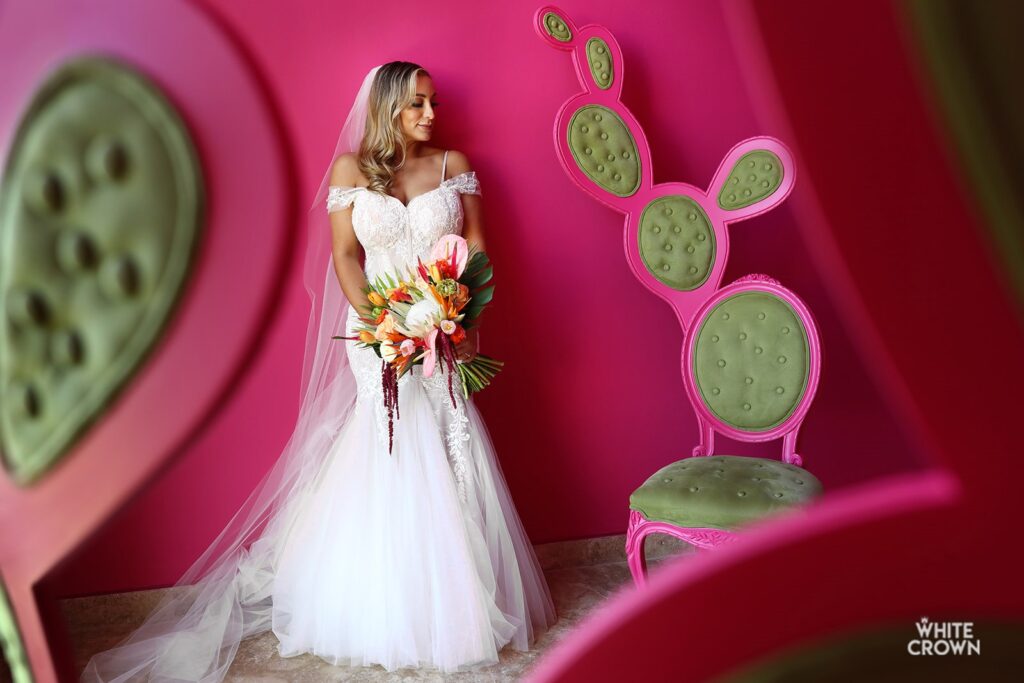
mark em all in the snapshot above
pixel 444 165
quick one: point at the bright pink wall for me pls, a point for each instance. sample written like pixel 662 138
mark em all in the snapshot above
pixel 573 441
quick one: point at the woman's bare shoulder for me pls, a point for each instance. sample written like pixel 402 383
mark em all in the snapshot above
pixel 457 163
pixel 345 171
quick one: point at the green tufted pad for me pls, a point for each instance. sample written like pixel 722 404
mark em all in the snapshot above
pixel 556 28
pixel 722 491
pixel 677 243
pixel 604 149
pixel 751 361
pixel 599 58
pixel 755 176
pixel 100 213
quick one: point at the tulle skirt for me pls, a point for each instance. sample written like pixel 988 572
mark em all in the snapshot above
pixel 414 557
pixel 389 561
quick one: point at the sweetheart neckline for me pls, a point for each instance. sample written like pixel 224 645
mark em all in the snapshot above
pixel 421 194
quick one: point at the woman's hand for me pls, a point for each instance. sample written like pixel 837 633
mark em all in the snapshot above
pixel 466 349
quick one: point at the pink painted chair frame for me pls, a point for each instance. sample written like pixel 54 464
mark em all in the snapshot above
pixel 639 527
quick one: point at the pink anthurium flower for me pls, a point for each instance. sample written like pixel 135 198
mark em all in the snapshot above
pixel 453 247
pixel 430 353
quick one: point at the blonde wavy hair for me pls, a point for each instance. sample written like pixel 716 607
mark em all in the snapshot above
pixel 382 150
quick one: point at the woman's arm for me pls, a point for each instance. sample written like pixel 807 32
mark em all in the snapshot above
pixel 345 248
pixel 473 232
pixel 472 214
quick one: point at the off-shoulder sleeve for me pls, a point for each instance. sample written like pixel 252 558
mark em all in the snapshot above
pixel 465 183
pixel 339 197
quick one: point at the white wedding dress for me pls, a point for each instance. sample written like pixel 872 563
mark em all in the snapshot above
pixel 415 557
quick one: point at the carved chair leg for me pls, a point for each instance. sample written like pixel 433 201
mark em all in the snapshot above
pixel 635 558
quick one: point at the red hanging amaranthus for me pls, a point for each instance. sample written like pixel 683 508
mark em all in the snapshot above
pixel 446 352
pixel 389 383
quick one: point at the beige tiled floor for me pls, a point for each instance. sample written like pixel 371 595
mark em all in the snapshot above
pixel 580 574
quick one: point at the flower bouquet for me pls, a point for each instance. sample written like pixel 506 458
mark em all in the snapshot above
pixel 419 318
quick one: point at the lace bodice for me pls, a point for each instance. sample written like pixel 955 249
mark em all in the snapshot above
pixel 393 235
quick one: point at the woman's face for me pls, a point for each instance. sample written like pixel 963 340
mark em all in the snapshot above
pixel 418 117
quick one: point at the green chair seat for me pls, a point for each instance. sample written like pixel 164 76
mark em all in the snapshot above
pixel 722 491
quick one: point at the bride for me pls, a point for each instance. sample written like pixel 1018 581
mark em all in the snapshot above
pixel 415 557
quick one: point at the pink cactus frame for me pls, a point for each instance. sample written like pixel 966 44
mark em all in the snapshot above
pixel 691 305
pixel 685 303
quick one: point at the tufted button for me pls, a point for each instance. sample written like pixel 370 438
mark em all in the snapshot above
pixel 666 267
pixel 714 337
pixel 716 391
pixel 28 307
pixel 667 479
pixel 749 380
pixel 667 211
pixel 66 347
pixel 25 399
pixel 782 359
pixel 785 330
pixel 741 494
pixel 677 229
pixel 701 236
pixel 106 160
pixel 689 249
pixel 694 489
pixel 746 406
pixel 600 167
pixel 75 251
pixel 721 362
pixel 668 247
pixel 119 276
pixel 725 316
pixel 760 316
pixel 758 349
pixel 45 191
pixel 585 129
pixel 779 494
pixel 656 229
pixel 588 151
pixel 779 390
pixel 743 335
